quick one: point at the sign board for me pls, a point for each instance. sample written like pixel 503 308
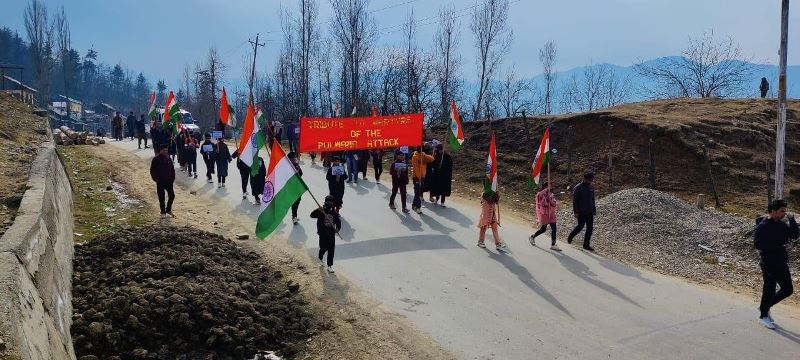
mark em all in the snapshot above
pixel 404 149
pixel 216 135
pixel 339 134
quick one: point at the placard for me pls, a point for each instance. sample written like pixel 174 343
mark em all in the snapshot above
pixel 404 149
pixel 400 166
pixel 339 134
pixel 337 170
pixel 207 148
pixel 216 134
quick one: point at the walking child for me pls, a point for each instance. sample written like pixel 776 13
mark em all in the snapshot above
pixel 335 177
pixel 162 171
pixel 222 156
pixel 296 162
pixel 328 224
pixel 207 150
pixel 377 163
pixel 490 218
pixel 191 156
pixel 584 208
pixel 546 207
pixel 244 174
pixel 258 181
pixel 399 172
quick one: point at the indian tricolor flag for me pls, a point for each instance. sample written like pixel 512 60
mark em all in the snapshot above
pixel 172 113
pixel 153 112
pixel 456 137
pixel 542 158
pixel 252 139
pixel 490 182
pixel 226 114
pixel 282 188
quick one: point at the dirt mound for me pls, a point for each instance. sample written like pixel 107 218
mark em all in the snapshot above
pixel 660 231
pixel 179 293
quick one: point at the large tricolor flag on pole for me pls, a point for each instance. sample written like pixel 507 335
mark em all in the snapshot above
pixel 252 139
pixel 172 113
pixel 226 114
pixel 490 182
pixel 456 137
pixel 282 188
pixel 542 158
pixel 153 112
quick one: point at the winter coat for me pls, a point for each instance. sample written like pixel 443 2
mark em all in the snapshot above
pixel 190 148
pixel 399 172
pixel 443 180
pixel 257 182
pixel 489 214
pixel 162 169
pixel 583 199
pixel 419 163
pixel 336 186
pixel 130 122
pixel 118 122
pixel 327 227
pixel 222 156
pixel 546 207
pixel 770 237
pixel 140 132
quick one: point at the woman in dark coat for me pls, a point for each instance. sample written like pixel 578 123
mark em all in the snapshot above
pixel 222 156
pixel 442 186
pixel 257 182
pixel 173 143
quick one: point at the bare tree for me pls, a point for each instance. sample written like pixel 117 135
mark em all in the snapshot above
pixel 307 32
pixel 64 49
pixel 445 44
pixel 598 87
pixel 547 56
pixel 354 31
pixel 709 67
pixel 493 39
pixel 515 95
pixel 40 41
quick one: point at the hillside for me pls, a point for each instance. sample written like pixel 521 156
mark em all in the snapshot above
pixel 740 138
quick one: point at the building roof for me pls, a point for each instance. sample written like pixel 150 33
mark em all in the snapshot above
pixel 62 97
pixel 19 83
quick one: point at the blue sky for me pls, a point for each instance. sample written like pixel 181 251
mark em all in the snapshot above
pixel 159 37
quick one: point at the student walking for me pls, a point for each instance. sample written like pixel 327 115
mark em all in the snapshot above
pixel 141 132
pixel 296 162
pixel 419 165
pixel 130 124
pixel 118 125
pixel 583 206
pixel 442 185
pixel 244 173
pixel 546 207
pixel 399 172
pixel 377 163
pixel 351 159
pixel 190 148
pixel 771 239
pixel 363 162
pixel 207 151
pixel 335 177
pixel 328 224
pixel 258 181
pixel 490 218
pixel 162 171
pixel 222 156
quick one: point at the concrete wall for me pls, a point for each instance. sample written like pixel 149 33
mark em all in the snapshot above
pixel 36 265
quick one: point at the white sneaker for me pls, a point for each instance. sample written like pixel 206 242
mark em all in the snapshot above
pixel 295 220
pixel 767 322
pixel 555 248
pixel 331 270
pixel 501 247
pixel 532 240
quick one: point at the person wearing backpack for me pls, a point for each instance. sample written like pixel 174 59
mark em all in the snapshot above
pixel 328 225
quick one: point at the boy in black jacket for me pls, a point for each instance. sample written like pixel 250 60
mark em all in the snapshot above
pixel 328 224
pixel 771 238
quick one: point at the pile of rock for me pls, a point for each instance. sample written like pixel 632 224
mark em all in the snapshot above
pixel 69 137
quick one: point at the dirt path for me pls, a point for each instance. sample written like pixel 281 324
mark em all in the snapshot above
pixel 356 325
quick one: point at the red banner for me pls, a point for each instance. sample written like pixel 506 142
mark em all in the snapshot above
pixel 337 134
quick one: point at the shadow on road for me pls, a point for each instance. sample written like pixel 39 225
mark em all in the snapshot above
pixel 297 237
pixel 435 225
pixel 452 215
pixel 527 278
pixel 394 245
pixel 582 271
pixel 791 336
pixel 408 221
pixel 621 269
pixel 347 232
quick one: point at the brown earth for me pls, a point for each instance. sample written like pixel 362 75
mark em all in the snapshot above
pixel 351 325
pixel 21 133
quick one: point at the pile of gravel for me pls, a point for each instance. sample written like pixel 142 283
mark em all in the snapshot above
pixel 180 293
pixel 655 229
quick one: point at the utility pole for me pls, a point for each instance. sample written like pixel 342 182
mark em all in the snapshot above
pixel 255 44
pixel 780 133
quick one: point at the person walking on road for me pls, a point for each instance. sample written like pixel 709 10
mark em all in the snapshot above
pixel 377 163
pixel 328 224
pixel 399 172
pixel 583 206
pixel 207 151
pixel 118 125
pixel 351 159
pixel 157 136
pixel 490 218
pixel 141 133
pixel 546 207
pixel 419 168
pixel 442 186
pixel 130 124
pixel 291 135
pixel 222 156
pixel 363 163
pixel 771 239
pixel 244 172
pixel 190 147
pixel 162 171
pixel 258 181
pixel 296 162
pixel 335 177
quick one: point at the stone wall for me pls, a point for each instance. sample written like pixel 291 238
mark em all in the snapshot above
pixel 36 265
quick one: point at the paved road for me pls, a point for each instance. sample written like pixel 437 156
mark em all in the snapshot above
pixel 530 303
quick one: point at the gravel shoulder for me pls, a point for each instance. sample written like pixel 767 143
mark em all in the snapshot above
pixel 354 325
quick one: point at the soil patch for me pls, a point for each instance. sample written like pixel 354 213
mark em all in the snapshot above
pixel 176 292
pixel 653 229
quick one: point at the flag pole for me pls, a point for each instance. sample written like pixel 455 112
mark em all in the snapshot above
pixel 549 183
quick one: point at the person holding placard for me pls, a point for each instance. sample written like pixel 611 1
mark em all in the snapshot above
pixel 399 172
pixel 207 150
pixel 335 177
